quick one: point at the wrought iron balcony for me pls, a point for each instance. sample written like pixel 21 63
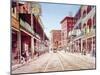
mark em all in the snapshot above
pixel 77 33
pixel 92 12
pixel 89 32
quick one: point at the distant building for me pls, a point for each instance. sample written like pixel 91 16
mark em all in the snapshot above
pixel 55 39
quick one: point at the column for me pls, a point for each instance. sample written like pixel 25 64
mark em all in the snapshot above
pixel 75 45
pixel 92 25
pixel 86 45
pixel 81 45
pixel 86 28
pixel 92 44
pixel 32 37
pixel 78 45
pixel 19 46
pixel 32 46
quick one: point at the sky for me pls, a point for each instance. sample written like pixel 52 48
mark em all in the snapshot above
pixel 53 14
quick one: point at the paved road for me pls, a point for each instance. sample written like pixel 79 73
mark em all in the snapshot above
pixel 59 61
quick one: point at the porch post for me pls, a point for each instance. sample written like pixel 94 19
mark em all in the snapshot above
pixel 19 46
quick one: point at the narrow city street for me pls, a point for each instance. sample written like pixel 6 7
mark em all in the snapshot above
pixel 51 37
pixel 58 61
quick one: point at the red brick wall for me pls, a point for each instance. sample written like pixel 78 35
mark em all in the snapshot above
pixel 56 38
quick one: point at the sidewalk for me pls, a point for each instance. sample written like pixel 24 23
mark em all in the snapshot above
pixel 36 65
pixel 87 56
pixel 14 67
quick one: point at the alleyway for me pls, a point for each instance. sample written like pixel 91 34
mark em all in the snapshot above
pixel 58 62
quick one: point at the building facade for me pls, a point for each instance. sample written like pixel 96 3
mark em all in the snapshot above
pixel 55 39
pixel 67 25
pixel 28 36
pixel 83 37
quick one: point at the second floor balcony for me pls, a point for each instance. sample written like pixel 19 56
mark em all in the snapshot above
pixel 26 26
pixel 75 33
pixel 88 30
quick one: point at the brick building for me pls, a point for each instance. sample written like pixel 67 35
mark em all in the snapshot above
pixel 55 39
pixel 84 39
pixel 67 25
pixel 78 32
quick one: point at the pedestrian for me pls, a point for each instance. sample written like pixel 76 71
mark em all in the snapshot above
pixel 27 55
pixel 94 52
pixel 84 51
pixel 23 56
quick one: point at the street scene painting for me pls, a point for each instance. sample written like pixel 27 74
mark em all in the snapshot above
pixel 52 37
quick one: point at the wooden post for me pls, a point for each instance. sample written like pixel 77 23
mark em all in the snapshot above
pixel 19 46
pixel 32 37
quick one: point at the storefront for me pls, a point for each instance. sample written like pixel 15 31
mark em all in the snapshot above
pixel 26 52
pixel 84 44
pixel 15 48
pixel 15 40
pixel 36 47
pixel 89 45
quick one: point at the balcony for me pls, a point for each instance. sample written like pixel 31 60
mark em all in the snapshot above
pixel 90 14
pixel 37 35
pixel 78 22
pixel 89 32
pixel 26 26
pixel 77 33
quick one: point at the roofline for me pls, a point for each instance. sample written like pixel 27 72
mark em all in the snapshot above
pixel 78 11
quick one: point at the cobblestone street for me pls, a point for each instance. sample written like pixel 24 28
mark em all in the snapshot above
pixel 58 62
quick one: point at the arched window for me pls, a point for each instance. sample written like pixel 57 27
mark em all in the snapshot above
pixel 89 23
pixel 89 9
pixel 84 28
pixel 84 25
pixel 84 13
